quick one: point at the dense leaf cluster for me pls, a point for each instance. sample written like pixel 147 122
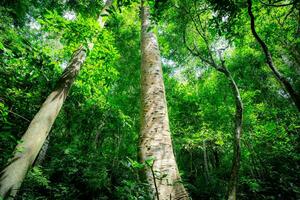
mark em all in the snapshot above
pixel 93 149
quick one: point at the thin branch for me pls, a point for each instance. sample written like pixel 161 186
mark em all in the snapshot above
pixel 154 180
pixel 290 12
pixel 282 80
pixel 194 51
pixel 278 5
pixel 10 111
pixel 203 36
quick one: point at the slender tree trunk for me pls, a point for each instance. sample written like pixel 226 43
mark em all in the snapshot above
pixel 32 141
pixel 216 158
pixel 101 20
pixel 233 181
pixel 205 162
pixel 282 80
pixel 155 138
pixel 232 186
pixel 36 134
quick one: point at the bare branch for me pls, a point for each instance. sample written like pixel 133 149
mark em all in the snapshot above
pixel 10 111
pixel 278 5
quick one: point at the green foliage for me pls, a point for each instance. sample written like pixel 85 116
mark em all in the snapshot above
pixel 37 177
pixel 94 142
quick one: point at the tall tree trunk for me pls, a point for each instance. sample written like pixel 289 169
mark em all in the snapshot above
pixel 101 20
pixel 233 181
pixel 282 80
pixel 155 132
pixel 33 139
pixel 27 151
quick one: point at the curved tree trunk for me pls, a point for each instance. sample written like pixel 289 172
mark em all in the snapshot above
pixel 233 181
pixel 36 134
pixel 155 132
pixel 282 80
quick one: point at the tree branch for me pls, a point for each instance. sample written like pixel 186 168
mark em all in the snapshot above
pixel 278 5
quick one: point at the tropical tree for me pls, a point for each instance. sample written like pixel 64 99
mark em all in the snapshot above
pixel 96 148
pixel 33 139
pixel 215 59
pixel 155 143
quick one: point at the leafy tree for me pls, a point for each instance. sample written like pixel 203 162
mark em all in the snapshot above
pixel 94 148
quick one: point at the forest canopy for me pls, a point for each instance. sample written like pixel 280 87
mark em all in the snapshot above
pixel 150 99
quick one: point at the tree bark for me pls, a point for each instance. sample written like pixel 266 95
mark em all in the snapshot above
pixel 233 181
pixel 281 79
pixel 37 132
pixel 155 137
pixel 42 154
